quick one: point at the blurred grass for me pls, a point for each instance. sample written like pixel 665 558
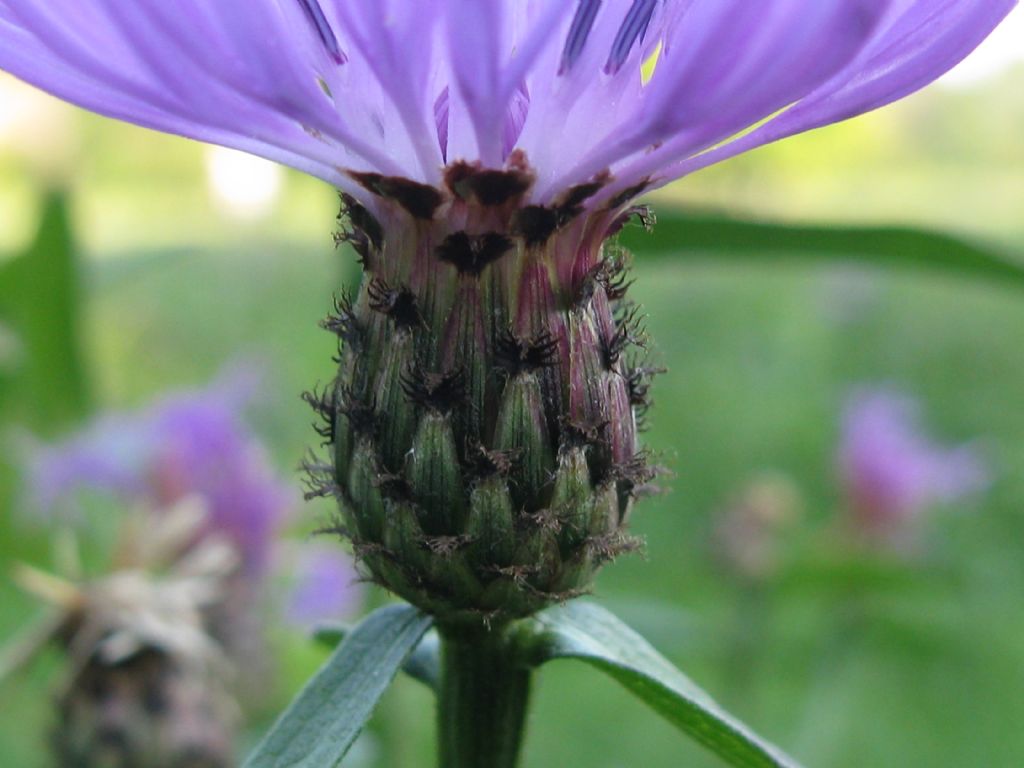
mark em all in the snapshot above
pixel 925 671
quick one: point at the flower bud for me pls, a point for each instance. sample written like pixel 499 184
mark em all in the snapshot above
pixel 483 419
pixel 148 711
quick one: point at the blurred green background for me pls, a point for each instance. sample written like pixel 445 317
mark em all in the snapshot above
pixel 188 257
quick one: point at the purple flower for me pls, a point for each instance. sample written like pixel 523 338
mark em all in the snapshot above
pixel 326 587
pixel 345 88
pixel 891 471
pixel 186 443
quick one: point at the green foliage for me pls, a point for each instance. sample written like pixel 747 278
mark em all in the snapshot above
pixel 585 631
pixel 321 724
pixel 708 236
pixel 43 380
pixel 45 385
pixel 423 663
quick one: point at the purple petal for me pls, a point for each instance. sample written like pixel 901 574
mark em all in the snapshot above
pixel 579 32
pixel 732 63
pixel 922 41
pixel 201 71
pixel 477 46
pixel 632 31
pixel 107 459
pixel 323 28
pixel 397 42
pixel 200 446
pixel 494 48
pixel 401 88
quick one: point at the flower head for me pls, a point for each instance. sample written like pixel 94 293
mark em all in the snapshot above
pixel 891 471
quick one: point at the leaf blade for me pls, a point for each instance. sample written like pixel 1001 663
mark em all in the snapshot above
pixel 589 633
pixel 422 665
pixel 324 720
pixel 699 234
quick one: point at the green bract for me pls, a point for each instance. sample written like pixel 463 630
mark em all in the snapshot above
pixel 483 422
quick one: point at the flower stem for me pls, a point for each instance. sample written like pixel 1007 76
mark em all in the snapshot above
pixel 482 699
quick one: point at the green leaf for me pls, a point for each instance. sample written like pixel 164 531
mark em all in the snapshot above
pixel 423 664
pixel 693 234
pixel 44 384
pixel 587 632
pixel 321 724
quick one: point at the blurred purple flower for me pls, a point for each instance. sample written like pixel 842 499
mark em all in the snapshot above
pixel 185 443
pixel 344 88
pixel 891 470
pixel 326 587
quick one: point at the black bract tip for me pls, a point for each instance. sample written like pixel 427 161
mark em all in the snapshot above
pixel 488 187
pixel 440 392
pixel 515 354
pixel 397 303
pixel 536 223
pixel 470 254
pixel 421 201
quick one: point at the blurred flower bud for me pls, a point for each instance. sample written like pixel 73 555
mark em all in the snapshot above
pixel 146 684
pixel 148 711
pixel 748 534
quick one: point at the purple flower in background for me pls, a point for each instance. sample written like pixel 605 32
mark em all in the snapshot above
pixel 892 471
pixel 186 443
pixel 353 91
pixel 325 588
pixel 176 611
pixel 106 457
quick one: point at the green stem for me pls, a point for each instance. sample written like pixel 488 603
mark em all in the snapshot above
pixel 482 700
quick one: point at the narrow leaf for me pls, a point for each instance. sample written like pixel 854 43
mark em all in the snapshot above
pixel 693 234
pixel 423 664
pixel 587 632
pixel 324 720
